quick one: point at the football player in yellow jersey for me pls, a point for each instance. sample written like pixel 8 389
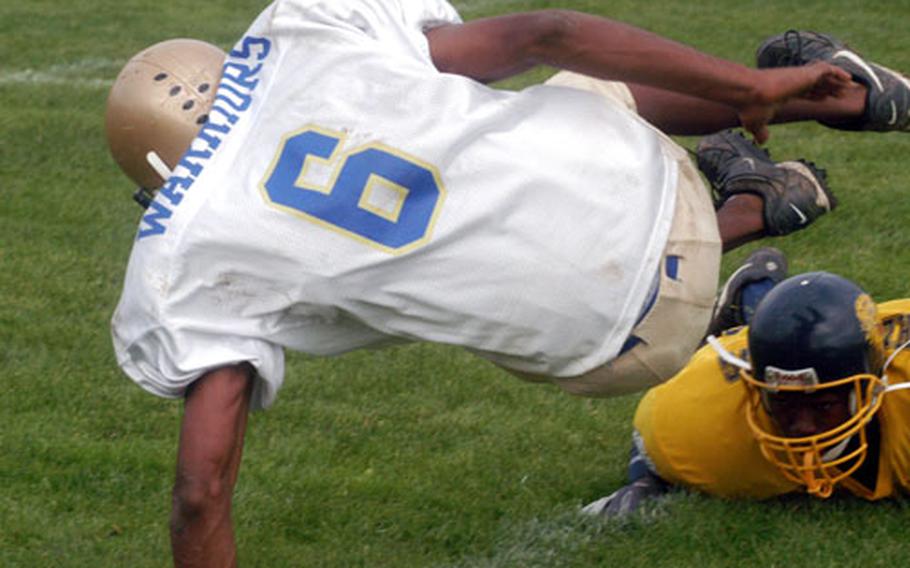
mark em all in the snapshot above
pixel 812 396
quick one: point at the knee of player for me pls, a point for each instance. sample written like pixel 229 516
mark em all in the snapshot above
pixel 194 497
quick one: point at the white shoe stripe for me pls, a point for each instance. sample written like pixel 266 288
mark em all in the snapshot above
pixel 725 292
pixel 802 216
pixel 846 54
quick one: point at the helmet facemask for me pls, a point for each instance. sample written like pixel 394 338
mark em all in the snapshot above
pixel 818 461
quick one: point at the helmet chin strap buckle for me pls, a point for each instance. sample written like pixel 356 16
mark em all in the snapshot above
pixel 143 197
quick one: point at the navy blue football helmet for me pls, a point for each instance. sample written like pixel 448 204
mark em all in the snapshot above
pixel 814 332
pixel 816 320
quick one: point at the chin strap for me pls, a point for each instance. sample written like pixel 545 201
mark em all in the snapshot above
pixel 896 386
pixel 144 196
pixel 726 355
pixel 158 165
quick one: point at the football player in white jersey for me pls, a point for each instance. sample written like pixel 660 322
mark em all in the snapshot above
pixel 343 178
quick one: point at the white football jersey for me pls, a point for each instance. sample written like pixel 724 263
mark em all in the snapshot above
pixel 346 194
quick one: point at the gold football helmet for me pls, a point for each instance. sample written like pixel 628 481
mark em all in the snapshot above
pixel 157 105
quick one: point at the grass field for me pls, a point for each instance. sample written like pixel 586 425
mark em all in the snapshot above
pixel 413 456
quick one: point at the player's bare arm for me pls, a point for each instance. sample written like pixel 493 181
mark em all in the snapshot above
pixel 208 460
pixel 494 48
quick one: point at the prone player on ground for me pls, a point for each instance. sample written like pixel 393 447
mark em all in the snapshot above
pixel 812 396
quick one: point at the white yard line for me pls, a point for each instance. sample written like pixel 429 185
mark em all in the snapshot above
pixel 83 74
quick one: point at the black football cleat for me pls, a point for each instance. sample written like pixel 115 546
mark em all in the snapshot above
pixel 729 310
pixel 795 193
pixel 888 99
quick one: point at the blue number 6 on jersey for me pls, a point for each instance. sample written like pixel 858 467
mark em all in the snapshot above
pixel 373 193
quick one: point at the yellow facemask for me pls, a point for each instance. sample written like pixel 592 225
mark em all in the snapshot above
pixel 820 461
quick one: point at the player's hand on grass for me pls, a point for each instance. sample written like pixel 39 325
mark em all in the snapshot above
pixel 627 499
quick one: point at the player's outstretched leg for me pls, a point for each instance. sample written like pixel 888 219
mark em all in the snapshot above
pixel 740 294
pixel 888 98
pixel 794 193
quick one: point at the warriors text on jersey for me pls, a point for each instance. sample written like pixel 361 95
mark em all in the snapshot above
pixel 693 427
pixel 345 193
